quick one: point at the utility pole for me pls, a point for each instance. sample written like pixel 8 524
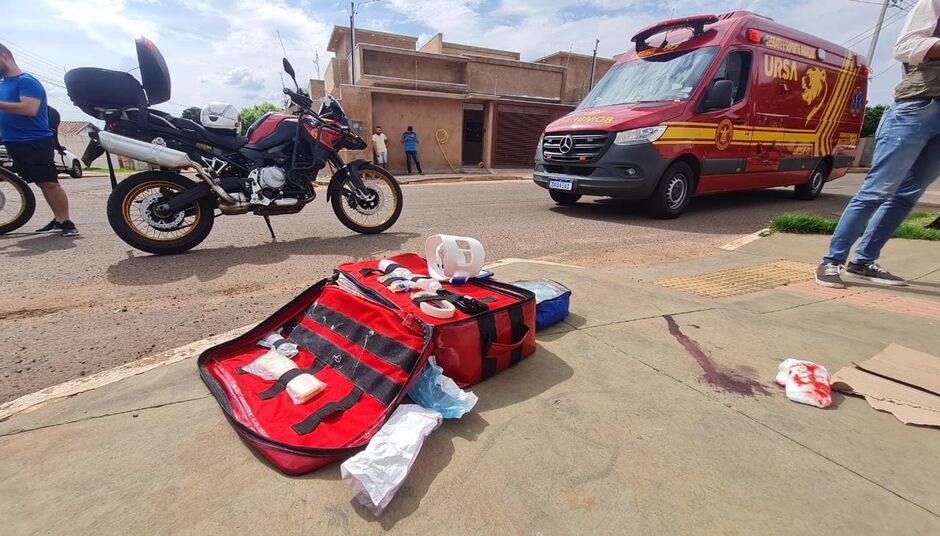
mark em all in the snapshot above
pixel 594 64
pixel 352 40
pixel 874 38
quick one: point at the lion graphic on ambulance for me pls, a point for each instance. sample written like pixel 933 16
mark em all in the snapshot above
pixel 815 88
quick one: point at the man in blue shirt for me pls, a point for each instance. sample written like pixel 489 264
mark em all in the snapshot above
pixel 410 139
pixel 24 126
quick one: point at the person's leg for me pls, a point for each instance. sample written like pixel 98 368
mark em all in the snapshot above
pixel 57 199
pixel 417 163
pixel 893 212
pixel 408 156
pixel 902 135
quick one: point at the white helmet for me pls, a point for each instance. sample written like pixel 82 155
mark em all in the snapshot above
pixel 221 115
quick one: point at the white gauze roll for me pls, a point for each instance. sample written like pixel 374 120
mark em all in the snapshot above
pixel 272 365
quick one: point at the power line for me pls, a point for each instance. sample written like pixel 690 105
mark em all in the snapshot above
pixel 852 41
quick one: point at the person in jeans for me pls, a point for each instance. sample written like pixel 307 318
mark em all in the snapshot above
pixel 410 139
pixel 380 146
pixel 906 159
pixel 31 144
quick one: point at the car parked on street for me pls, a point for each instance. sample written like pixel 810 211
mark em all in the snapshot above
pixel 65 162
pixel 710 104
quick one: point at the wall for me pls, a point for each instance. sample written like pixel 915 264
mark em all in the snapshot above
pixel 426 114
pixel 491 76
pixel 357 103
pixel 317 89
pixel 390 63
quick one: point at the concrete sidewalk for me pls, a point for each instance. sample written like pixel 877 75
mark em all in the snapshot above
pixel 613 426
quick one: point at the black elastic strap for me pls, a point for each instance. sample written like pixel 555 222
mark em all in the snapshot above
pixel 366 272
pixel 518 329
pixel 281 384
pixel 310 423
pixel 392 267
pixel 487 326
pixel 385 348
pixel 280 342
pixel 371 381
pixel 390 279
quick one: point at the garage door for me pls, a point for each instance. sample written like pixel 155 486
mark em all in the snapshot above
pixel 518 127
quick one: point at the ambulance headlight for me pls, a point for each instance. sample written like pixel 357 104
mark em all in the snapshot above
pixel 640 135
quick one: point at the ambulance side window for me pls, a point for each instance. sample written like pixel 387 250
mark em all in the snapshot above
pixel 737 68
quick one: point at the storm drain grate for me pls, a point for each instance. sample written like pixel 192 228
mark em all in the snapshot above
pixel 742 280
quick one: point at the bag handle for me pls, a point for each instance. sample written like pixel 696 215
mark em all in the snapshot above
pixel 508 347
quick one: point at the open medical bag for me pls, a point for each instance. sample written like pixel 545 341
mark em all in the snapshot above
pixel 366 353
pixel 368 346
pixel 470 348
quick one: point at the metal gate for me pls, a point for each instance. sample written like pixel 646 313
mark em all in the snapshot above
pixel 518 128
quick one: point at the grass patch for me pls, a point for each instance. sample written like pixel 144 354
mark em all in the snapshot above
pixel 913 228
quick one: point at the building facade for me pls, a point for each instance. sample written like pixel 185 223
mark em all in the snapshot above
pixel 472 107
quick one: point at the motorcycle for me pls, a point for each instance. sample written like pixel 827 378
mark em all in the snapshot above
pixel 270 171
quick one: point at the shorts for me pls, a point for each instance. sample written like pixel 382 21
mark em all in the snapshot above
pixel 34 161
pixel 381 157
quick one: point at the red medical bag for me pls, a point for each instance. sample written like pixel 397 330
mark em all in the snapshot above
pixel 470 348
pixel 367 344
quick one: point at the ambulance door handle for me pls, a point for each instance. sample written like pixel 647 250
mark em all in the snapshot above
pixel 740 121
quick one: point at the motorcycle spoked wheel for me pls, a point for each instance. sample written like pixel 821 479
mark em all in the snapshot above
pixel 134 218
pixel 17 202
pixel 373 215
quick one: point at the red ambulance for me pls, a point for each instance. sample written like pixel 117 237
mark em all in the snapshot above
pixel 710 104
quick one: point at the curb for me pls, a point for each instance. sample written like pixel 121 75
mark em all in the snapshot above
pixel 746 239
pixel 38 399
pixel 448 180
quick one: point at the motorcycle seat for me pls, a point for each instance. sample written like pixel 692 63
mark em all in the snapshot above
pixel 229 142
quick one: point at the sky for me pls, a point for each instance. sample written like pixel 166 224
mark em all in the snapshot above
pixel 229 51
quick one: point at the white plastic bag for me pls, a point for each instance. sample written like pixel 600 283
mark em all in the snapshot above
pixel 275 341
pixel 805 382
pixel 376 473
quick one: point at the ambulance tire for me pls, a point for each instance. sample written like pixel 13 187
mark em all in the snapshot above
pixel 814 186
pixel 564 199
pixel 673 193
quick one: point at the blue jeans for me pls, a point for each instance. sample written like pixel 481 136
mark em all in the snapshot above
pixel 905 163
pixel 412 156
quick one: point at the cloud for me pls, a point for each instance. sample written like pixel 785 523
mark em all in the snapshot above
pixel 242 77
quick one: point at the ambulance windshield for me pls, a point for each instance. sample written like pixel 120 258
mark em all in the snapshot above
pixel 660 77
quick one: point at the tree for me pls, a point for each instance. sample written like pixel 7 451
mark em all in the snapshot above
pixel 252 113
pixel 191 113
pixel 872 118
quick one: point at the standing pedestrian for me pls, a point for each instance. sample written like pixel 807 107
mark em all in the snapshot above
pixel 24 125
pixel 380 146
pixel 410 139
pixel 906 159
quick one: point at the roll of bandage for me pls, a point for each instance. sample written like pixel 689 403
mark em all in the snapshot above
pixel 436 309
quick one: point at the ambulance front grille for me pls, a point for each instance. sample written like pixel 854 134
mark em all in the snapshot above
pixel 574 146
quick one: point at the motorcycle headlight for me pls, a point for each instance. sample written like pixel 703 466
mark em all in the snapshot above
pixel 640 135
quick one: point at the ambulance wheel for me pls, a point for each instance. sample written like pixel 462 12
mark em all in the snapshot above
pixel 564 199
pixel 673 193
pixel 813 187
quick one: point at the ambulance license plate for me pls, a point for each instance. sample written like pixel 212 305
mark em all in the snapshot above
pixel 561 184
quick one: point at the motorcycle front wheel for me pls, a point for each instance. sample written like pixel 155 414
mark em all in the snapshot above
pixel 135 217
pixel 17 202
pixel 378 210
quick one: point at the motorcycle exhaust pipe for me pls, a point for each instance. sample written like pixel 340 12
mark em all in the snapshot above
pixel 151 153
pixel 157 155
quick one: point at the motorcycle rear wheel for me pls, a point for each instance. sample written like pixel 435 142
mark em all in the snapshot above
pixel 17 202
pixel 132 216
pixel 376 214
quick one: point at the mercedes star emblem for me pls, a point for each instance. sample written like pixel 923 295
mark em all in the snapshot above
pixel 567 143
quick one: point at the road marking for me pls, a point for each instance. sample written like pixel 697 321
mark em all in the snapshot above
pixel 35 400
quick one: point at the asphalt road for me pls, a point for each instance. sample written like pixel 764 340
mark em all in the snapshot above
pixel 75 306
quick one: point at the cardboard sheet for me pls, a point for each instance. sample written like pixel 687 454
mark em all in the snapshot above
pixel 898 380
pixel 906 366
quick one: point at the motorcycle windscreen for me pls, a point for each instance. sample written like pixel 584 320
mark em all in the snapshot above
pixel 154 74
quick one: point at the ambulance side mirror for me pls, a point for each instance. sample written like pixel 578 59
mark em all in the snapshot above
pixel 719 96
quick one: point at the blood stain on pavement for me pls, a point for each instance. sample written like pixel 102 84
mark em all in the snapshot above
pixel 723 379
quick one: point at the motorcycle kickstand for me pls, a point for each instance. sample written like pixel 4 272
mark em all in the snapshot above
pixel 267 220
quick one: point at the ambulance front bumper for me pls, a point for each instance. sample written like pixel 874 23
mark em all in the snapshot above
pixel 624 172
